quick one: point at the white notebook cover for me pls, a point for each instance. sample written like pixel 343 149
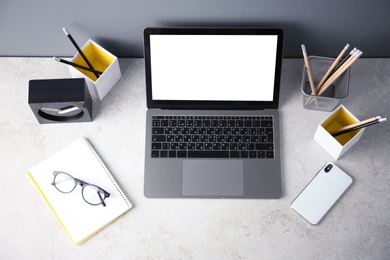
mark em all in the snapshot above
pixel 79 219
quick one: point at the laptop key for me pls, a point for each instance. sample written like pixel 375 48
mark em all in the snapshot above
pixel 158 130
pixel 252 154
pixel 264 146
pixel 234 154
pixel 261 154
pixel 155 154
pixel 181 154
pixel 156 146
pixel 158 138
pixel 269 154
pixel 208 154
pixel 266 123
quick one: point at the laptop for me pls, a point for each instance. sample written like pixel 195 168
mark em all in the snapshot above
pixel 212 128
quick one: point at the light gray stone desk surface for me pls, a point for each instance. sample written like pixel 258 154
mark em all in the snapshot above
pixel 358 227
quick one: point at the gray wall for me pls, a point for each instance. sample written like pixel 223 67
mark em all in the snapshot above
pixel 34 27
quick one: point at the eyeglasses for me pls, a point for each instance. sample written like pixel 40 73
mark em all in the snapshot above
pixel 92 194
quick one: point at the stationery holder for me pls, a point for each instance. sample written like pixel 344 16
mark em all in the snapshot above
pixel 337 146
pixel 101 60
pixel 60 100
pixel 333 96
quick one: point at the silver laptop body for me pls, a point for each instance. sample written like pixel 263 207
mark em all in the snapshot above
pixel 207 88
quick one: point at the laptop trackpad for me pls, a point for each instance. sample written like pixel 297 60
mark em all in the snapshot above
pixel 213 178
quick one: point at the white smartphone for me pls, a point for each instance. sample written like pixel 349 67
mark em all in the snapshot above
pixel 321 193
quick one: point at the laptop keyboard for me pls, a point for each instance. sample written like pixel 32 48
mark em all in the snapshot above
pixel 212 137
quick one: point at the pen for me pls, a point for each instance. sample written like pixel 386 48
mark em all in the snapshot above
pixel 359 125
pixel 77 65
pixel 313 91
pixel 79 50
pixel 334 64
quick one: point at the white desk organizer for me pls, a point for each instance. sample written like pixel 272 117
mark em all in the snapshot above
pixel 101 60
pixel 337 146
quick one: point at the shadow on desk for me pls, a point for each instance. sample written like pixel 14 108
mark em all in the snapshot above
pixel 128 94
pixel 290 84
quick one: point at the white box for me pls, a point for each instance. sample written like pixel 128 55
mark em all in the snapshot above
pixel 101 60
pixel 337 146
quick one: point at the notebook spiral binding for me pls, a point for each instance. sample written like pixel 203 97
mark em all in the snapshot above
pixel 121 191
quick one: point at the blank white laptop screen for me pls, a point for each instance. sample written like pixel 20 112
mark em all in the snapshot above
pixel 213 67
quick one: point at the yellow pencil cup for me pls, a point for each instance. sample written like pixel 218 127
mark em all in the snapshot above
pixel 101 60
pixel 337 146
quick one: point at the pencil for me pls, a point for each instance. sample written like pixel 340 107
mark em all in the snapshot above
pixel 354 129
pixel 340 71
pixel 343 61
pixel 79 50
pixel 358 125
pixel 308 70
pixel 77 65
pixel 334 64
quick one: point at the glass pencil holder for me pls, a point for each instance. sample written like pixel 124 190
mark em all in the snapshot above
pixel 333 95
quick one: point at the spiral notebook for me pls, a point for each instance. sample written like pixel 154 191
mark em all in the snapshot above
pixel 80 219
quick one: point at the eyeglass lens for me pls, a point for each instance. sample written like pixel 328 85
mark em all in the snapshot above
pixel 64 182
pixel 93 195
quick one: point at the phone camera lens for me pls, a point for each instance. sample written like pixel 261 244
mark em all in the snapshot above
pixel 328 167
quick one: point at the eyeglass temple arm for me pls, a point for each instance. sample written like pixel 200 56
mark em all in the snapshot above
pixel 101 199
